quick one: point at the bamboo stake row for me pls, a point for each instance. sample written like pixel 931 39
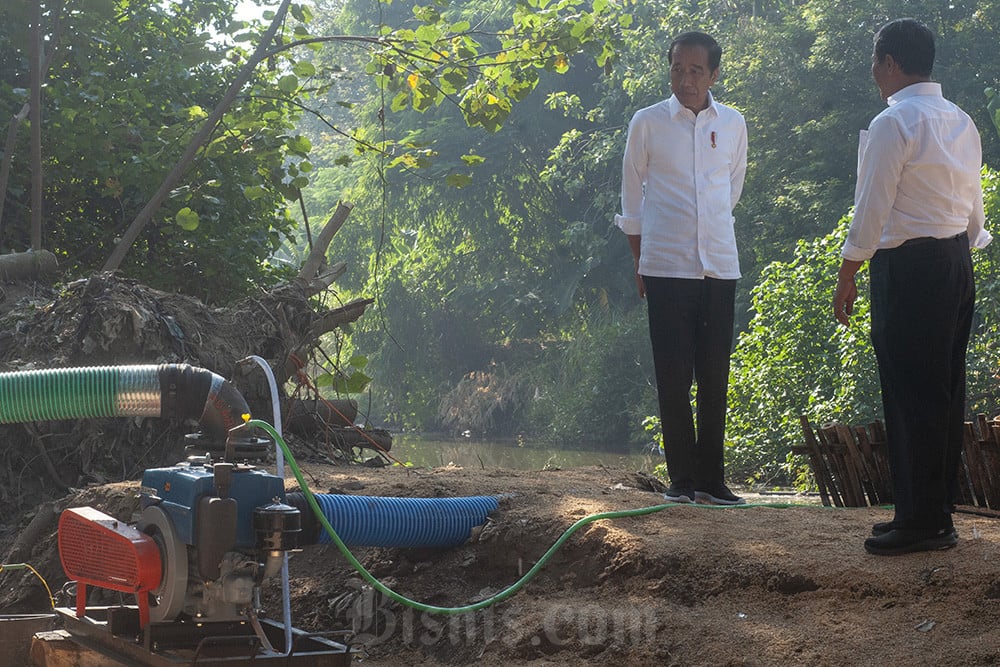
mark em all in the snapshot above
pixel 851 463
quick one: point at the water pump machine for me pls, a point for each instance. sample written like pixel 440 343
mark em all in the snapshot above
pixel 209 532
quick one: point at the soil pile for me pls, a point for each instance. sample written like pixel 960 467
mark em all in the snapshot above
pixel 761 585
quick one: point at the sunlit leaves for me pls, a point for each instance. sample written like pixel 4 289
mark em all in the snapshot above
pixel 303 68
pixel 794 359
pixel 427 34
pixel 301 12
pixel 427 14
pixel 196 113
pixel 299 145
pixel 453 80
pixel 253 192
pixel 983 394
pixel 349 378
pixel 187 219
pixel 288 83
pixel 442 59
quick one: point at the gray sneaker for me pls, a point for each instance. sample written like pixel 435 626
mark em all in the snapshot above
pixel 676 494
pixel 718 494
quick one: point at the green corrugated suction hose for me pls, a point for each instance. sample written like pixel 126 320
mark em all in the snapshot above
pixel 71 393
pixel 165 390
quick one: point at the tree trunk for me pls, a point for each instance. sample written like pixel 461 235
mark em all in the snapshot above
pixel 35 115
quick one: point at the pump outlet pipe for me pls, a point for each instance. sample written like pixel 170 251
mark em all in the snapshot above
pixel 167 390
pixel 372 521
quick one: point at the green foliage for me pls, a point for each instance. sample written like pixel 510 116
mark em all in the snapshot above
pixel 128 85
pixel 482 221
pixel 983 393
pixel 510 258
pixel 347 378
pixel 474 259
pixel 993 106
pixel 793 359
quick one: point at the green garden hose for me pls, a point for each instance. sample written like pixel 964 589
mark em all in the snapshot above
pixel 502 595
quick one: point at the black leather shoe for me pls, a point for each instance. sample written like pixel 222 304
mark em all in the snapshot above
pixel 909 540
pixel 883 527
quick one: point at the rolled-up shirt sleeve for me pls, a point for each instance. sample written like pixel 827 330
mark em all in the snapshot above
pixel 634 168
pixel 879 169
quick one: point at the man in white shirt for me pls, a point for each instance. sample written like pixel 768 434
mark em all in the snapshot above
pixel 682 174
pixel 918 210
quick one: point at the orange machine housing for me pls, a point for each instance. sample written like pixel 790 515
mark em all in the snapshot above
pixel 99 550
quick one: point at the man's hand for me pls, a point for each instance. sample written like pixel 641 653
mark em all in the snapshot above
pixel 635 245
pixel 641 285
pixel 847 291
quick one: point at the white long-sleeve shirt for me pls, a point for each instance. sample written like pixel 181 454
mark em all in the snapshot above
pixel 919 168
pixel 682 174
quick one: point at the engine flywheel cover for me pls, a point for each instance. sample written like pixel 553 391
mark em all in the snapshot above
pixel 167 600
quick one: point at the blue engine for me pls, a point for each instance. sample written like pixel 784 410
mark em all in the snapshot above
pixel 179 490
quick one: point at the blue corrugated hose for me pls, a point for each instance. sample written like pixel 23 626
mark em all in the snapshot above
pixel 372 521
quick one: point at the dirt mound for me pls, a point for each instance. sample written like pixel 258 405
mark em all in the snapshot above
pixel 761 585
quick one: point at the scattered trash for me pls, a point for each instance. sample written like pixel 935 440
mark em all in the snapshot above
pixel 740 614
pixel 925 626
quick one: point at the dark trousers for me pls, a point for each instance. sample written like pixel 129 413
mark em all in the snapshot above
pixel 922 301
pixel 691 331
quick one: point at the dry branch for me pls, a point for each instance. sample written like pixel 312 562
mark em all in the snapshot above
pixel 324 280
pixel 339 316
pixel 317 256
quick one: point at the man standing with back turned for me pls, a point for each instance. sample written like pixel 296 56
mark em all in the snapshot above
pixel 918 210
pixel 682 174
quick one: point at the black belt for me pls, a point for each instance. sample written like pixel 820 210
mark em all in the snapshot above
pixel 927 239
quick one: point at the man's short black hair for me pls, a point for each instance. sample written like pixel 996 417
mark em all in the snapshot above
pixel 694 38
pixel 910 43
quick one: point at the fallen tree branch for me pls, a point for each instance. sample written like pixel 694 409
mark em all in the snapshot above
pixel 317 256
pixel 323 281
pixel 331 320
pixel 339 316
pixel 29 265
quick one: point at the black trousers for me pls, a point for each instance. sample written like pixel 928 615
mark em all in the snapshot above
pixel 923 294
pixel 691 331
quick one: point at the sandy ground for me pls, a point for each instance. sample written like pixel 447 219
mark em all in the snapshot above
pixel 759 585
